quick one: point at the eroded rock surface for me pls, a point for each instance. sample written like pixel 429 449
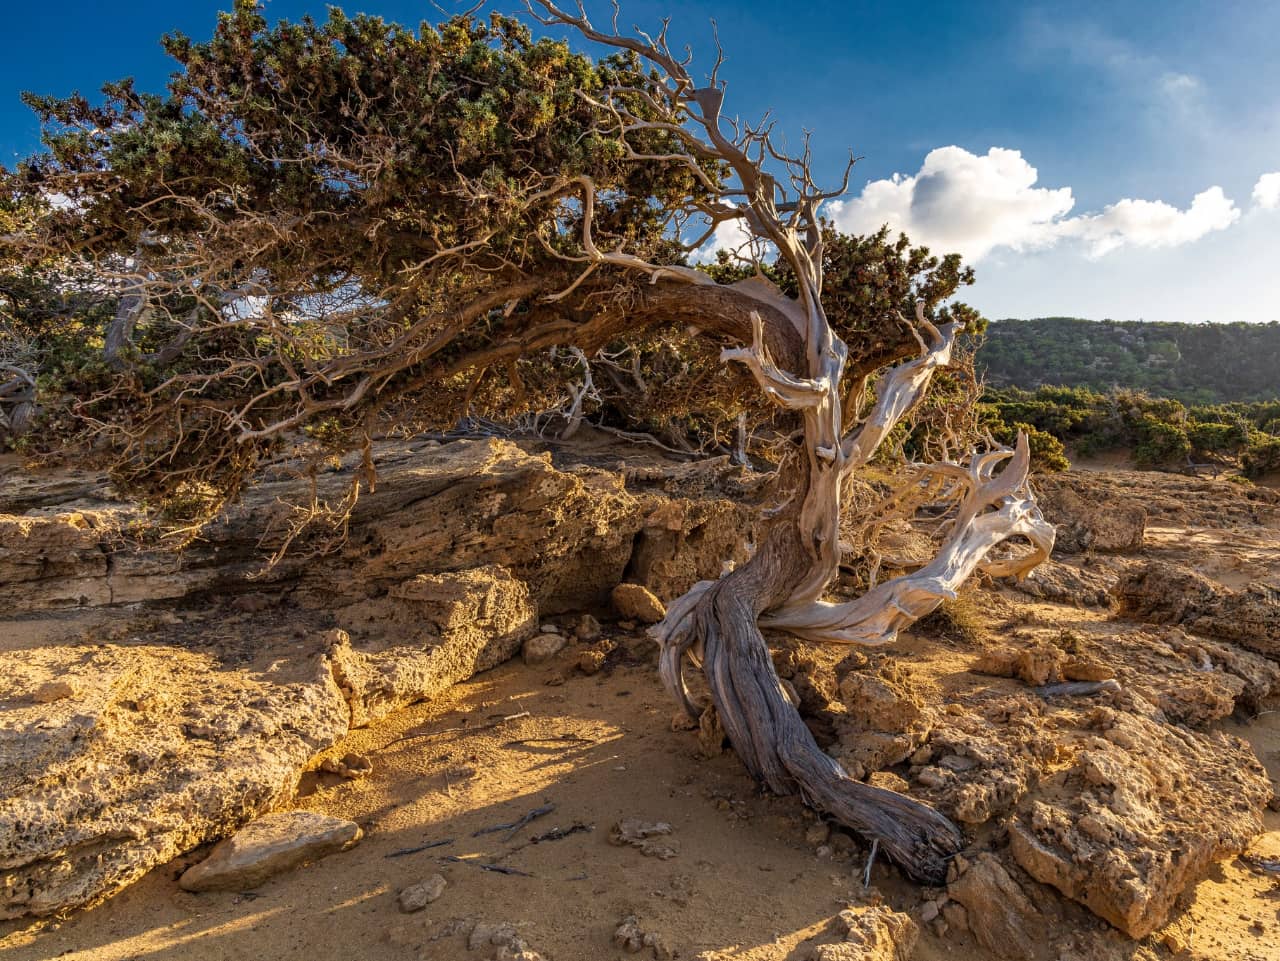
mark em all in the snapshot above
pixel 1143 809
pixel 871 933
pixel 177 730
pixel 1166 593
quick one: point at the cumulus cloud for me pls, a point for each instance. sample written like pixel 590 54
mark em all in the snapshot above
pixel 1152 223
pixel 971 204
pixel 961 202
pixel 733 236
pixel 1266 192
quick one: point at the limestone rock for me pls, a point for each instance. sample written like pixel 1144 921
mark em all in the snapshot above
pixel 590 661
pixel 636 602
pixel 118 757
pixel 1069 584
pixel 1164 593
pixel 649 837
pixel 542 648
pixel 1006 923
pixel 353 767
pixel 159 751
pixel 1088 523
pixel 629 936
pixel 268 846
pixel 430 632
pixel 871 933
pixel 1142 812
pixel 418 896
pixel 587 629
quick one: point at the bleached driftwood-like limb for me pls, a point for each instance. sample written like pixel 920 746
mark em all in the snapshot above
pixel 901 390
pixel 994 510
pixel 799 363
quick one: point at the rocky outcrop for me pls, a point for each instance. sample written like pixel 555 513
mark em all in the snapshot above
pixel 1086 522
pixel 1142 810
pixel 159 749
pixel 119 756
pixel 1160 592
pixel 569 534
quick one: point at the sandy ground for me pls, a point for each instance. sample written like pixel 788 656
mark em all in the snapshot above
pixel 745 883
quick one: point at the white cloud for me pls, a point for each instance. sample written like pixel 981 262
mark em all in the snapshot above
pixel 733 236
pixel 1152 223
pixel 970 204
pixel 961 202
pixel 1266 192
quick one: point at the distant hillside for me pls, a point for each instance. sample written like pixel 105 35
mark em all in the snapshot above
pixel 1194 363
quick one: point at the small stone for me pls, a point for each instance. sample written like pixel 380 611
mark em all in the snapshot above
pixel 588 628
pixel 931 777
pixel 929 911
pixel 51 691
pixel 823 853
pixel 268 846
pixel 817 833
pixel 627 625
pixel 645 835
pixel 590 662
pixel 351 766
pixel 549 629
pixel 418 896
pixel 543 647
pixel 628 936
pixel 487 933
pixel 636 602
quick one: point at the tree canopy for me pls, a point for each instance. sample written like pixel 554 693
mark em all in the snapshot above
pixel 346 226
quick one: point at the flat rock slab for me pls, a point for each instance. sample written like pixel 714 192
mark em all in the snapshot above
pixel 1143 810
pixel 267 847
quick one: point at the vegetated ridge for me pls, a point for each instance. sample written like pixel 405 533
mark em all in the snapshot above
pixel 1193 363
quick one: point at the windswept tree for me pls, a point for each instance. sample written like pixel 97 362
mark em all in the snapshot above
pixel 334 229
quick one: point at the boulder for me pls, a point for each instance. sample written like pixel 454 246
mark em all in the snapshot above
pixel 268 846
pixel 1142 812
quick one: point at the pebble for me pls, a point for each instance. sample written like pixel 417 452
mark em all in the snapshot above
pixel 418 896
pixel 542 648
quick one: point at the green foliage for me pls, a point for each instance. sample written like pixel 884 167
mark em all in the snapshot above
pixel 1157 432
pixel 1194 363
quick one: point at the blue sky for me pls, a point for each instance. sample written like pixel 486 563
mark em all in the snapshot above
pixel 1130 140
